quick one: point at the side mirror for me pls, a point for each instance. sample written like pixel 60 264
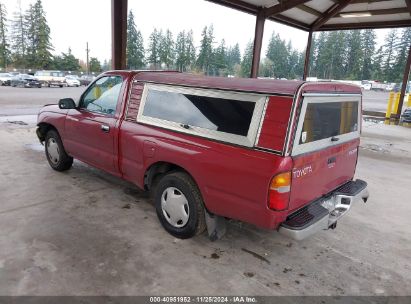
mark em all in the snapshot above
pixel 67 103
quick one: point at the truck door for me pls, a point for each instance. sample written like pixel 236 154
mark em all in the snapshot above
pixel 325 147
pixel 91 128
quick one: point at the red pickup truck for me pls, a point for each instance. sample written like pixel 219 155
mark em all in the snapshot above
pixel 277 154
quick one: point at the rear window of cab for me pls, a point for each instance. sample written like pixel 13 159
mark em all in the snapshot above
pixel 232 117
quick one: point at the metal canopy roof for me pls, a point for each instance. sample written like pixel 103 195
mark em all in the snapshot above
pixel 324 15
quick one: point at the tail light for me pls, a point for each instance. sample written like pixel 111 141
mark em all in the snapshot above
pixel 279 191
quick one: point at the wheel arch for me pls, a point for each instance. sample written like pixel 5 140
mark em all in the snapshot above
pixel 159 168
pixel 43 128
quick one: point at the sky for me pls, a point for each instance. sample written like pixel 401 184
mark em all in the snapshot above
pixel 73 23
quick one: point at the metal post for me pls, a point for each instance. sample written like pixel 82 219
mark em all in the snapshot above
pixel 403 87
pixel 119 33
pixel 389 108
pixel 307 55
pixel 258 41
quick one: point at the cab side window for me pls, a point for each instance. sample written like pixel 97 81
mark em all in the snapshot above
pixel 103 95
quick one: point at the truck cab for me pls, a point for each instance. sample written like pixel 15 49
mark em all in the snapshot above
pixel 274 153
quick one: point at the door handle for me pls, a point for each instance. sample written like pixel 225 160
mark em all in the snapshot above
pixel 105 128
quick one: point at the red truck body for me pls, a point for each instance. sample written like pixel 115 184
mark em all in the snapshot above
pixel 233 179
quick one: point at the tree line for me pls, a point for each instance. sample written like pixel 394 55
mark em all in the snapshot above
pixel 350 55
pixel 353 55
pixel 210 57
pixel 25 43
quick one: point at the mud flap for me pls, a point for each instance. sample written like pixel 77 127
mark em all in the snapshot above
pixel 216 226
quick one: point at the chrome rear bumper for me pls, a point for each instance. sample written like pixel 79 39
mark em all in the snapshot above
pixel 324 213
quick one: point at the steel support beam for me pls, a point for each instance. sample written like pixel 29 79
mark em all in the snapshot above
pixel 403 87
pixel 258 41
pixel 118 33
pixel 408 3
pixel 331 12
pixel 282 7
pixel 307 56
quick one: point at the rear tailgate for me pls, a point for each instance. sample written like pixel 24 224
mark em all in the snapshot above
pixel 325 147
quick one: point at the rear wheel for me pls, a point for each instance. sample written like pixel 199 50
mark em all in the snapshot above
pixel 55 153
pixel 179 205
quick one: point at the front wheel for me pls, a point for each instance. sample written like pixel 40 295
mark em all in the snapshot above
pixel 179 205
pixel 55 153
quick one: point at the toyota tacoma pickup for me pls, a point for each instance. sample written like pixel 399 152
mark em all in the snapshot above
pixel 274 153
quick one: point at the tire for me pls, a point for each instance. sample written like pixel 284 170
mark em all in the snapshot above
pixel 188 219
pixel 55 153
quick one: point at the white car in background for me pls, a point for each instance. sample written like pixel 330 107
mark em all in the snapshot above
pixel 5 79
pixel 72 81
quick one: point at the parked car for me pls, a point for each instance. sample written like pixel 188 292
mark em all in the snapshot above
pixel 85 80
pixel 406 116
pixel 51 78
pixel 5 79
pixel 274 153
pixel 72 81
pixel 25 81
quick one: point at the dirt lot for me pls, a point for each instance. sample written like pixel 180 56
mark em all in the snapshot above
pixel 85 232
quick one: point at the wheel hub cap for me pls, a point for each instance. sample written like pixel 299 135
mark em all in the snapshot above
pixel 53 151
pixel 175 208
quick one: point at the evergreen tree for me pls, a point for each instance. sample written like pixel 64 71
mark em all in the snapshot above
pixel 205 56
pixel 402 49
pixel 66 62
pixel 389 53
pixel 43 47
pixel 294 64
pixel 377 67
pixel 30 36
pixel 355 55
pixel 266 68
pixel 135 45
pixel 220 59
pixel 233 58
pixel 331 57
pixel 368 49
pixel 185 53
pixel 19 39
pixel 277 53
pixel 95 65
pixel 190 51
pixel 4 46
pixel 246 63
pixel 167 49
pixel 180 49
pixel 317 48
pixel 154 49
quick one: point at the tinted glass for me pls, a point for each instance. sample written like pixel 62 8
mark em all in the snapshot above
pixel 224 115
pixel 324 120
pixel 102 96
